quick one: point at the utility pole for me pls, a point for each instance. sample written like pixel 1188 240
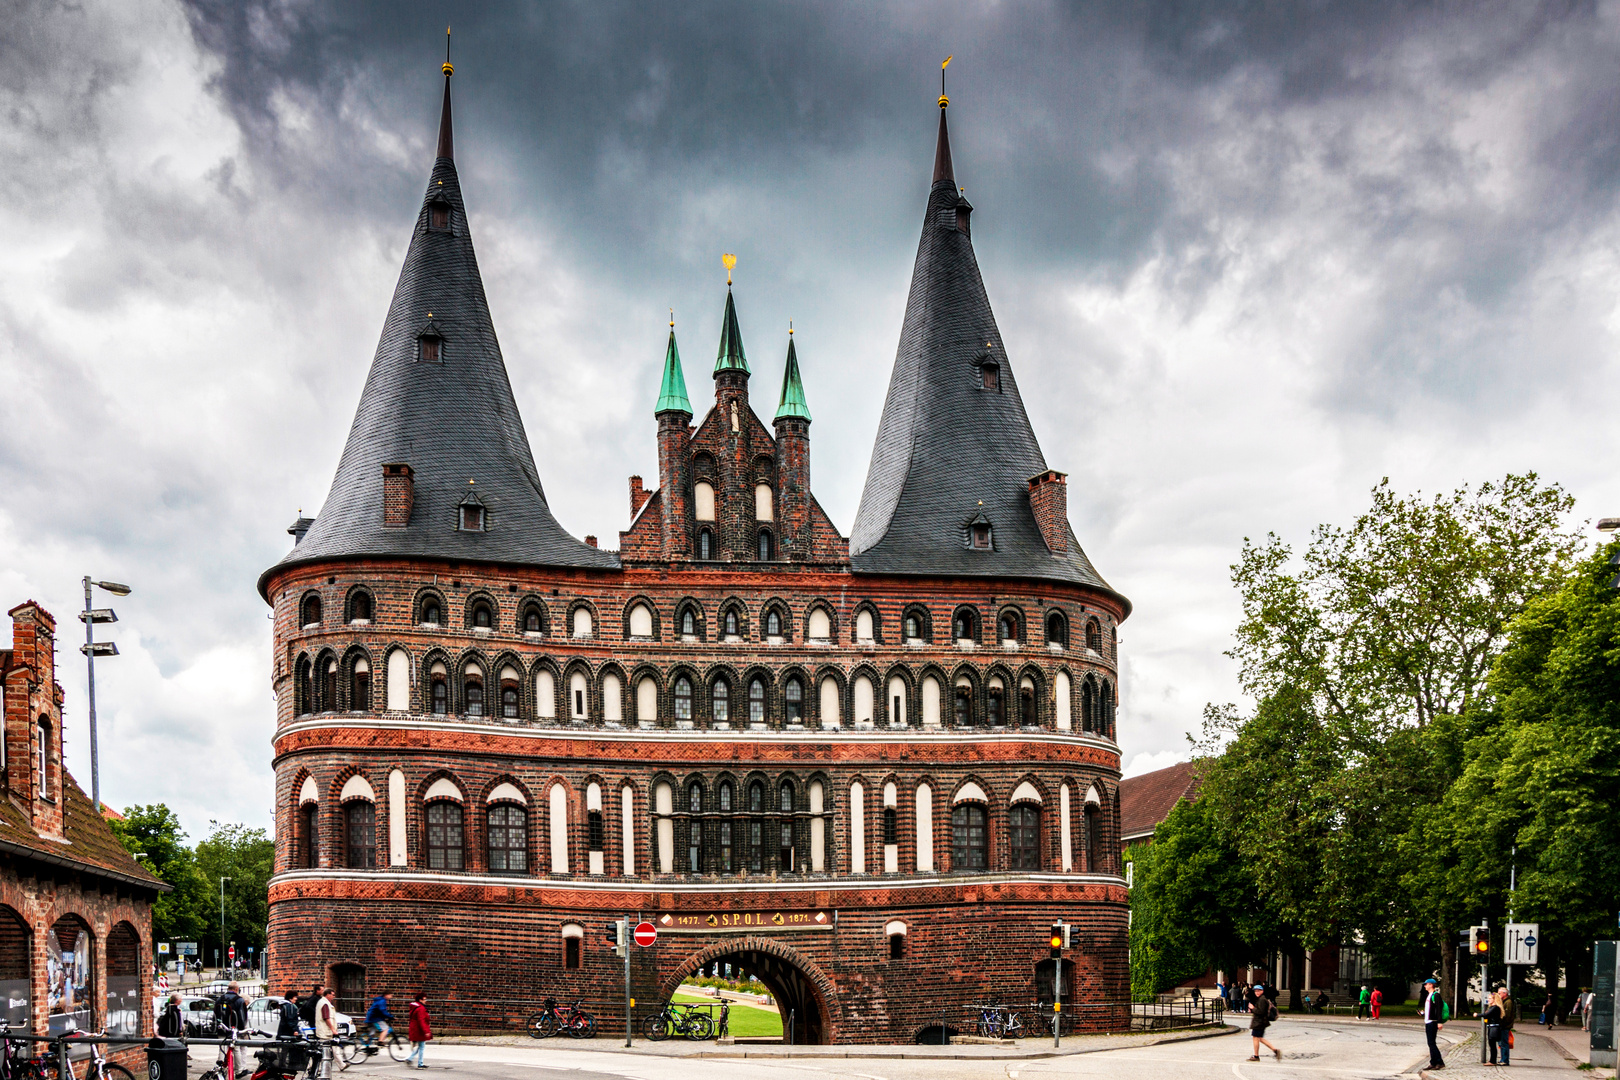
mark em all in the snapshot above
pixel 222 882
pixel 92 649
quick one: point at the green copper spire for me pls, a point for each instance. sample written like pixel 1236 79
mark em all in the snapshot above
pixel 792 404
pixel 731 356
pixel 672 393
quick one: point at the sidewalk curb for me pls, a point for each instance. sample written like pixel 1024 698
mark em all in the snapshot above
pixel 856 1050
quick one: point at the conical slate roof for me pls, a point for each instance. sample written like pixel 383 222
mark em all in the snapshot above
pixel 672 391
pixel 451 420
pixel 731 356
pixel 949 450
pixel 792 404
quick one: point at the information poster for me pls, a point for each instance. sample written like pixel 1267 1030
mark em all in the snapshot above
pixel 123 1005
pixel 14 1003
pixel 1603 995
pixel 67 970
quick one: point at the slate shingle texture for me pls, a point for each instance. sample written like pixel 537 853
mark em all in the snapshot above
pixel 947 449
pixel 452 421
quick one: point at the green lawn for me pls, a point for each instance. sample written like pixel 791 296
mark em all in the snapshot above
pixel 746 1022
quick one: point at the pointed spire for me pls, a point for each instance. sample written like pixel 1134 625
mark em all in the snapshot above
pixel 792 404
pixel 672 392
pixel 447 148
pixel 731 356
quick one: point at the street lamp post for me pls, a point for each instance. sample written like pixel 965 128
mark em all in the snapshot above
pixel 222 882
pixel 92 649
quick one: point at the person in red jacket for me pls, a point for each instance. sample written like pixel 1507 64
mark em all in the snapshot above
pixel 1377 1003
pixel 419 1031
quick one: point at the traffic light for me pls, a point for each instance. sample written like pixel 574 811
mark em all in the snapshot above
pixel 616 932
pixel 1479 943
pixel 1057 940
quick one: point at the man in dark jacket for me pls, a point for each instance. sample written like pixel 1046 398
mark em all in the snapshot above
pixel 1265 1013
pixel 306 1007
pixel 1431 1008
pixel 231 1008
pixel 172 1025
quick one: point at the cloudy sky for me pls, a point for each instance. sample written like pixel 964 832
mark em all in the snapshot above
pixel 1246 260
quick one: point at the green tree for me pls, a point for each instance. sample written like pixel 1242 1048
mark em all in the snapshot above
pixel 1362 653
pixel 1192 903
pixel 247 858
pixel 153 834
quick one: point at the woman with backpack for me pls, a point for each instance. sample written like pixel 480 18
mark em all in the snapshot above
pixel 1264 1014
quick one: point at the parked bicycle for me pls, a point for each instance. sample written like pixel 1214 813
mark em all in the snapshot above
pixel 674 1019
pixel 96 1068
pixel 552 1019
pixel 226 1066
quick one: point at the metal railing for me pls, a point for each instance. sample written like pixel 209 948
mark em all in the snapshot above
pixel 1181 1012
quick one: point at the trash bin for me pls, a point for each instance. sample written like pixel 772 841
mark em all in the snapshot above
pixel 166 1059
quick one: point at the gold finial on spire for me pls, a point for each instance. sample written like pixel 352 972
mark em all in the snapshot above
pixel 449 69
pixel 790 328
pixel 728 260
pixel 943 100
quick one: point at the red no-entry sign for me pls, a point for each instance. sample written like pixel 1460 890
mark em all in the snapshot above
pixel 646 934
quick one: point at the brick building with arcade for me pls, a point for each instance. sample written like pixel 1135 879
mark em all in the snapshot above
pixel 75 907
pixel 870 770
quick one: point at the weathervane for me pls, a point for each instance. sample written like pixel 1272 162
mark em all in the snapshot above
pixel 728 260
pixel 448 69
pixel 943 100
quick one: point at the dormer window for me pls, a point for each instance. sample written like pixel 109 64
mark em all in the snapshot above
pixel 470 515
pixel 989 377
pixel 439 215
pixel 431 348
pixel 981 536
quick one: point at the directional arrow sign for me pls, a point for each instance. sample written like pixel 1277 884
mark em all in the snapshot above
pixel 1519 944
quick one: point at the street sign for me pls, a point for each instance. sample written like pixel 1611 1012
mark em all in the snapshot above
pixel 1519 943
pixel 186 948
pixel 163 948
pixel 646 934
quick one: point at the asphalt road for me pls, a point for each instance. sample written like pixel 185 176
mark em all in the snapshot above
pixel 1312 1050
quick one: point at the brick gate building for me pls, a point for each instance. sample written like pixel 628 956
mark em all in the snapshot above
pixel 870 770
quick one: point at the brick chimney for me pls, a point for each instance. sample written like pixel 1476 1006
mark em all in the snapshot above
pixel 32 693
pixel 638 496
pixel 399 495
pixel 591 540
pixel 1049 499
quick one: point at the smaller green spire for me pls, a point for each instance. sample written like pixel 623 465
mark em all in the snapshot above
pixel 792 404
pixel 731 356
pixel 672 393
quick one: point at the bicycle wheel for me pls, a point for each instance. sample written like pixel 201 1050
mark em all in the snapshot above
pixel 350 1049
pixel 542 1025
pixel 113 1071
pixel 657 1027
pixel 399 1047
pixel 585 1027
pixel 700 1028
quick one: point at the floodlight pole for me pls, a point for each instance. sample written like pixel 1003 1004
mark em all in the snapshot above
pixel 222 882
pixel 90 664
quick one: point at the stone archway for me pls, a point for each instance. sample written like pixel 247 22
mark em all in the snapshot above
pixel 797 984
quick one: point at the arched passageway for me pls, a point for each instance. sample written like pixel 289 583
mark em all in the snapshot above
pixel 800 989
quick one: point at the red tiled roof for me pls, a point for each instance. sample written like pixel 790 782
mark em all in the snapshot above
pixel 1146 800
pixel 91 845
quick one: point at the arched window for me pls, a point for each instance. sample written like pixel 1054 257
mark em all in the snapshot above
pixel 474 689
pixel 445 835
pixel 891 825
pixel 725 847
pixel 531 620
pixel 508 839
pixel 688 623
pixel 360 687
pixel 969 846
pixel 1008 625
pixel 964 626
pixel 360 834
pixel 432 613
pixel 1093 839
pixel 309 836
pixel 913 627
pixel 756 827
pixel 756 701
pixel 594 831
pixel 725 795
pixel 694 798
pixel 573 939
pixel 330 687
pixel 1093 636
pixel 785 803
pixel 721 700
pixel 705 545
pixel 773 623
pixel 793 700
pixel 441 695
pixel 964 706
pixel 1024 837
pixel 731 623
pixel 683 698
pixel 509 701
pixel 641 621
pixel 311 615
pixel 584 624
pixel 756 796
pixel 1027 715
pixel 306 704
pixel 482 617
pixel 1105 711
pixel 360 607
pixel 1088 705
pixel 995 714
pixel 765 547
pixel 1057 629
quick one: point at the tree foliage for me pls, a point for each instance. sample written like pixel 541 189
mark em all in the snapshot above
pixel 153 834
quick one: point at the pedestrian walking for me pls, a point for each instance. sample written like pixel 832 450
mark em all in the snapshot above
pixel 326 1027
pixel 306 1006
pixel 1510 1016
pixel 419 1031
pixel 1586 1009
pixel 1265 1014
pixel 1434 1013
pixel 171 1025
pixel 1377 1003
pixel 1547 1011
pixel 1364 1003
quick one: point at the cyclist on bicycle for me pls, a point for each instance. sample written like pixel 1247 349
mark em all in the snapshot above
pixel 379 1021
